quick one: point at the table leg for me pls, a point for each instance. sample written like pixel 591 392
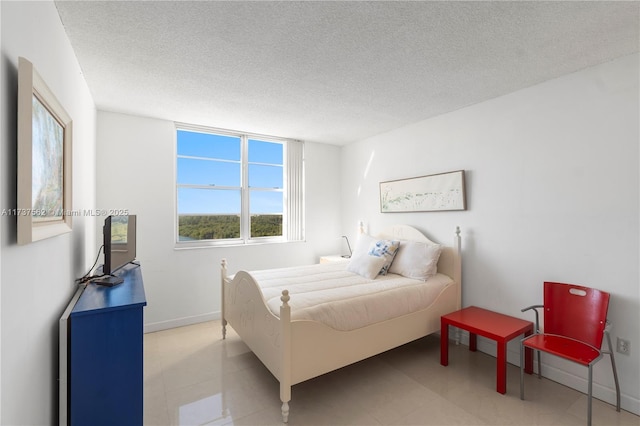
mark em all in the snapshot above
pixel 473 342
pixel 528 355
pixel 444 343
pixel 501 368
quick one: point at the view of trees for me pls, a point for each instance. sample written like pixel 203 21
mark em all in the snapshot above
pixel 266 225
pixel 214 227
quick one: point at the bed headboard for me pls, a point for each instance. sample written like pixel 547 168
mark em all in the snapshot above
pixel 450 262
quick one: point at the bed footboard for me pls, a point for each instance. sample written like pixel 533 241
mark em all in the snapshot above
pixel 268 336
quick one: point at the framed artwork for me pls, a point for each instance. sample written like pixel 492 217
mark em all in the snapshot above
pixel 44 159
pixel 439 192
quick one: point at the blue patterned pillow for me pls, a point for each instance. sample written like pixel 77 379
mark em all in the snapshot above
pixel 386 249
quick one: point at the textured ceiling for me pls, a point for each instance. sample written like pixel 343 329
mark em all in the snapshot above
pixel 332 71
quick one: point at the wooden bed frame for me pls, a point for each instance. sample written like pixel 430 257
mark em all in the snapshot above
pixel 298 350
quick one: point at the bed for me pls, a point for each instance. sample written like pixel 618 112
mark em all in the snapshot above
pixel 296 339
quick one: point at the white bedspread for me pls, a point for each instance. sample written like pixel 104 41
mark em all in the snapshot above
pixel 329 294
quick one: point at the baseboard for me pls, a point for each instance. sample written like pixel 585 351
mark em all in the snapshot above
pixel 181 322
pixel 565 378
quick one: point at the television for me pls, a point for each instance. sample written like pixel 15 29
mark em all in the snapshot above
pixel 119 239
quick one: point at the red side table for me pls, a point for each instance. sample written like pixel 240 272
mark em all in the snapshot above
pixel 492 325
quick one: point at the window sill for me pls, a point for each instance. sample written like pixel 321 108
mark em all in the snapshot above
pixel 225 244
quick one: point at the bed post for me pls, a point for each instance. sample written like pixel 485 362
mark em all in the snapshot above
pixel 285 367
pixel 457 276
pixel 457 266
pixel 223 280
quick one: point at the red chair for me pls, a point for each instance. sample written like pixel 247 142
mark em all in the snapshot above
pixel 575 322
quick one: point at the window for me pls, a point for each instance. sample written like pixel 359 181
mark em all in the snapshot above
pixel 237 188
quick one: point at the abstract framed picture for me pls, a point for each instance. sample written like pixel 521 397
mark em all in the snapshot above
pixel 44 159
pixel 438 192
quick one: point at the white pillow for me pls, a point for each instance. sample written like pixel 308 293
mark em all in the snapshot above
pixel 363 244
pixel 416 260
pixel 366 265
pixel 368 246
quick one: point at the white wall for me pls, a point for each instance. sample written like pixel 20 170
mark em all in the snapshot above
pixel 37 280
pixel 553 189
pixel 552 192
pixel 135 171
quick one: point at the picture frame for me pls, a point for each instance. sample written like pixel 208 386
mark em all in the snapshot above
pixel 44 160
pixel 437 192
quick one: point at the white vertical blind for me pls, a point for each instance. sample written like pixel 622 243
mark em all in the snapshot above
pixel 295 191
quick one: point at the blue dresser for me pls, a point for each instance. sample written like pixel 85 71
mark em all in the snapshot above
pixel 105 353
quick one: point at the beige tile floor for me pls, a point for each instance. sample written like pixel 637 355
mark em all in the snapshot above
pixel 193 377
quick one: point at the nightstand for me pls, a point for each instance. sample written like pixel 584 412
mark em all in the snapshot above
pixel 333 258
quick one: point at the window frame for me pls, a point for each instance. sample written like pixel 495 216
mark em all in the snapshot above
pixel 245 190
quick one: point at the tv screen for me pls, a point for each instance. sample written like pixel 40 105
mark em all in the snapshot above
pixel 119 233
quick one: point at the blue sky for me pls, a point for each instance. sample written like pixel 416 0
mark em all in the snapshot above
pixel 225 171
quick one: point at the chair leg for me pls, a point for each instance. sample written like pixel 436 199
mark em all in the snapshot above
pixel 522 370
pixel 615 372
pixel 539 366
pixel 590 386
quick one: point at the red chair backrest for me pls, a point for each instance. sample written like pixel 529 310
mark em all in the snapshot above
pixel 575 311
